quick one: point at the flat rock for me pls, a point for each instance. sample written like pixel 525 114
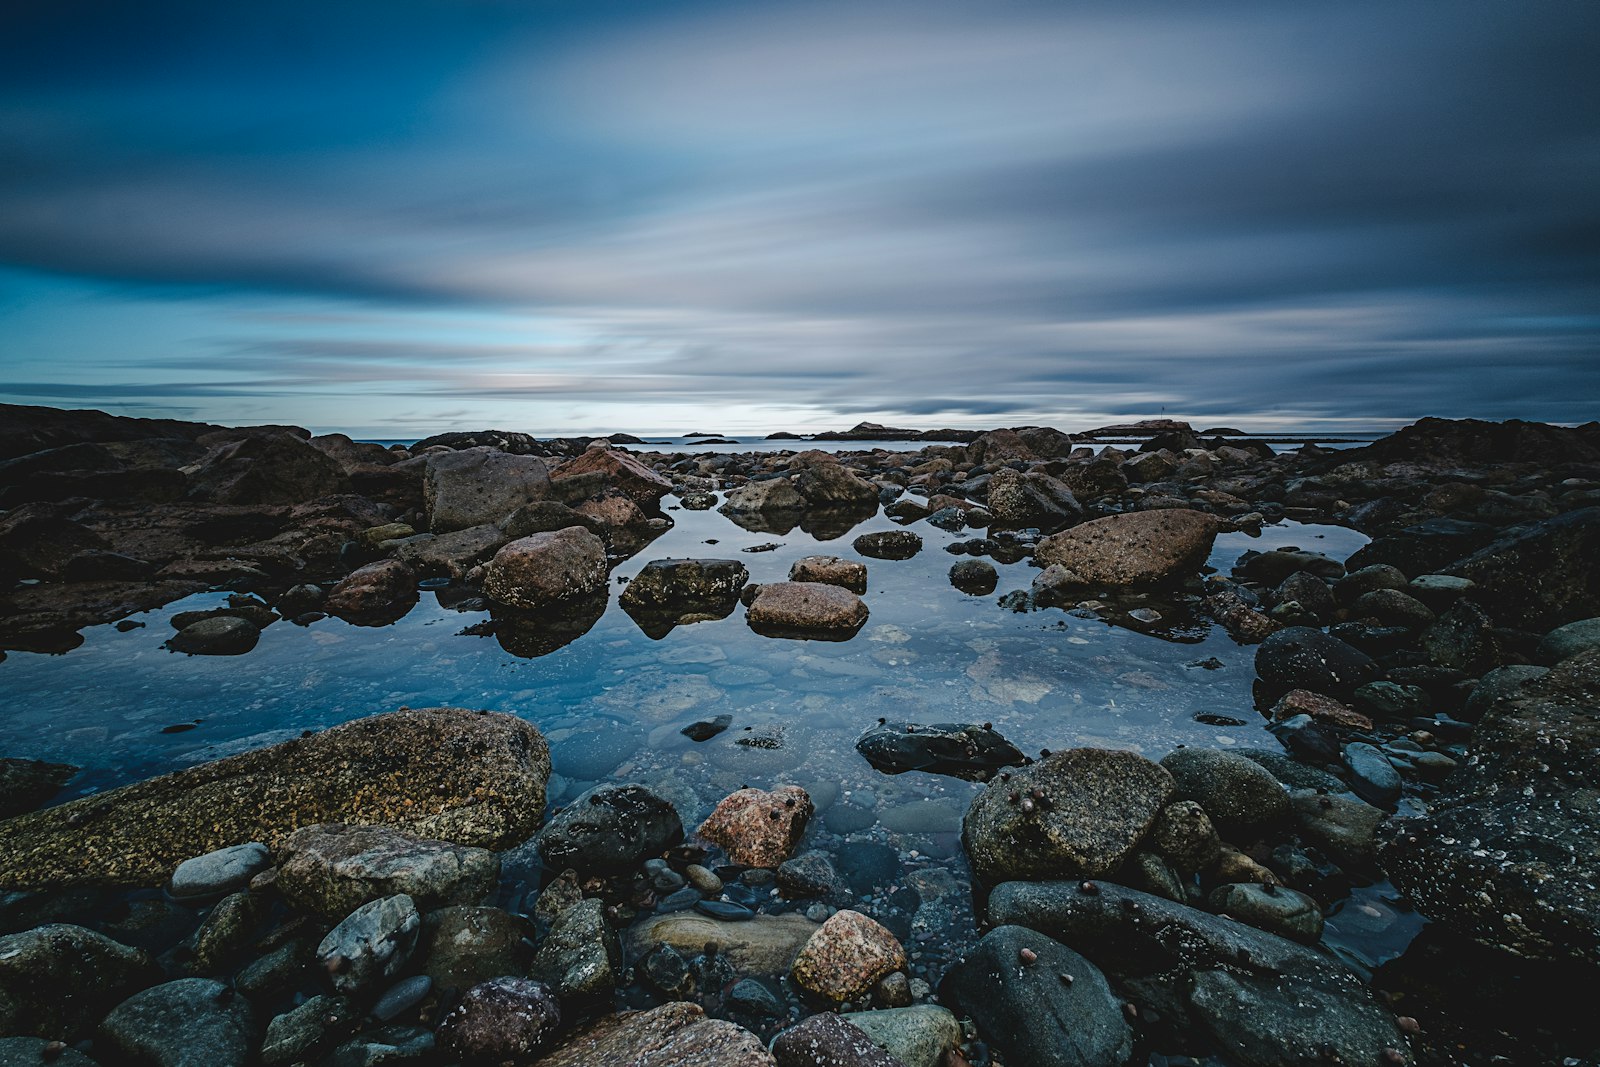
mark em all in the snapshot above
pixel 1301 657
pixel 888 544
pixel 476 778
pixel 332 869
pixel 831 570
pixel 1133 548
pixel 193 1022
pixel 221 871
pixel 766 944
pixel 220 636
pixel 669 1035
pixel 1097 805
pixel 806 608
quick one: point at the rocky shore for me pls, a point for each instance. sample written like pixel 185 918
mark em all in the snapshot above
pixel 394 890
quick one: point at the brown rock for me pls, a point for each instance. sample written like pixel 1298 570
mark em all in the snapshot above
pixel 758 828
pixel 612 509
pixel 378 593
pixel 547 568
pixel 829 1040
pixel 846 957
pixel 476 778
pixel 506 1019
pixel 668 1036
pixel 806 607
pixel 831 570
pixel 1073 814
pixel 1319 707
pixel 766 944
pixel 1134 548
pixel 635 480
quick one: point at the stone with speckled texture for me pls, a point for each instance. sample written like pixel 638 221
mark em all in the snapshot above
pixel 846 956
pixel 758 828
pixel 671 1034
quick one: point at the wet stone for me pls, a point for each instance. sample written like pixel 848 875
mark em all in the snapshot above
pixel 505 1020
pixel 370 945
pixel 193 1022
pixel 221 871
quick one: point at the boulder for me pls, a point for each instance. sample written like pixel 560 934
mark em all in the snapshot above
pixel 1132 549
pixel 452 554
pixel 299 1034
pixel 371 944
pixel 56 981
pixel 918 1036
pixel 1300 657
pixel 975 577
pixel 762 497
pixel 476 486
pixel 504 1020
pixel 675 592
pixel 1041 1003
pixel 1509 854
pixel 1263 1000
pixel 831 570
pixel 193 1022
pixel 622 471
pixel 331 869
pixel 374 595
pixel 888 544
pixel 1271 907
pixel 1032 499
pixel 1567 641
pixel 547 569
pixel 1243 799
pixel 1185 837
pixel 463 946
pixel 826 483
pixel 224 870
pixel 476 778
pixel 275 468
pixel 758 828
pixel 1538 575
pixel 671 1034
pixel 1073 814
pixel 610 828
pixel 222 635
pixel 846 957
pixel 809 609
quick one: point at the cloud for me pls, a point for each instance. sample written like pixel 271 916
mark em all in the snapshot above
pixel 925 211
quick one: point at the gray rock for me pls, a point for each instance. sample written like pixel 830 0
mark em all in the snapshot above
pixel 668 583
pixel 829 484
pixel 507 1020
pixel 1273 908
pixel 37 1052
pixel 1264 1000
pixel 917 1036
pixel 1393 607
pixel 753 998
pixel 975 577
pixel 546 569
pixel 451 554
pixel 1567 641
pixel 193 1022
pixel 223 635
pixel 1299 657
pixel 812 875
pixel 1078 813
pixel 332 869
pixel 768 495
pixel 1502 683
pixel 609 828
pixel 221 871
pixel 371 944
pixel 1369 579
pixel 56 981
pixel 580 956
pixel 888 544
pixel 1184 834
pixel 301 1033
pixel 1372 777
pixel 1345 827
pixel 962 750
pixel 479 485
pixel 1031 499
pixel 401 997
pixel 1243 799
pixel 1011 984
pixel 389 1046
pixel 226 932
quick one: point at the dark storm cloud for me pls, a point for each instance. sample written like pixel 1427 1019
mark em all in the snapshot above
pixel 1352 209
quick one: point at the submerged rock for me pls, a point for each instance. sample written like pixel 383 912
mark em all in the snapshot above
pixel 766 944
pixel 1072 814
pixel 476 778
pixel 962 750
pixel 27 783
pixel 1264 1000
pixel 1132 549
pixel 1041 1003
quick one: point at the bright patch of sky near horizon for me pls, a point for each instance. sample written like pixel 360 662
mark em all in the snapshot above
pixel 401 218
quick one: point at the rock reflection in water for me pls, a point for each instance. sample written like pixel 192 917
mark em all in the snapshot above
pixel 531 634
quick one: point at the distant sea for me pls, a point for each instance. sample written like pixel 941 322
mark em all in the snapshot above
pixel 1280 442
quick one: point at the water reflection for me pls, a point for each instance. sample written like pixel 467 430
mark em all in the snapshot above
pixel 531 634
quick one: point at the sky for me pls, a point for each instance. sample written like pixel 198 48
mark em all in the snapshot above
pixel 403 217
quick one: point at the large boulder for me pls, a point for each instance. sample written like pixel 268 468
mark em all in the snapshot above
pixel 479 485
pixel 57 981
pixel 1510 854
pixel 1073 814
pixel 621 471
pixel 475 778
pixel 332 869
pixel 1041 1003
pixel 1132 549
pixel 1032 499
pixel 810 609
pixel 1539 575
pixel 547 569
pixel 826 483
pixel 374 595
pixel 1264 1000
pixel 760 497
pixel 676 592
pixel 277 468
pixel 676 1033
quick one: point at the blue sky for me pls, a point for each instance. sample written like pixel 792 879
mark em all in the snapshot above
pixel 403 217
